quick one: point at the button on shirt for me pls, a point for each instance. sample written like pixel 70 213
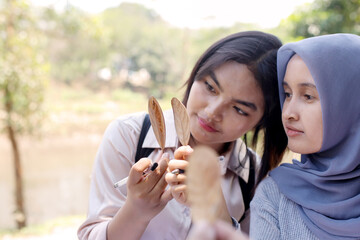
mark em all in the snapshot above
pixel 113 161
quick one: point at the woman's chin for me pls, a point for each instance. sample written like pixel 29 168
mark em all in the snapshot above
pixel 202 139
pixel 200 136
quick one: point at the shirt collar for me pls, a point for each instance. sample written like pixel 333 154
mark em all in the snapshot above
pixel 236 160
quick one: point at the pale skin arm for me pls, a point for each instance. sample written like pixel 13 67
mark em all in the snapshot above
pixel 177 183
pixel 217 231
pixel 145 199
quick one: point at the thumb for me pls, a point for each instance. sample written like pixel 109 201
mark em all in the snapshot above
pixel 136 171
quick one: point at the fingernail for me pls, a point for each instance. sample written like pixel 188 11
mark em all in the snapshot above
pixel 154 166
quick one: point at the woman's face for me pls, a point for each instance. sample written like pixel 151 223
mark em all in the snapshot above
pixel 224 105
pixel 301 114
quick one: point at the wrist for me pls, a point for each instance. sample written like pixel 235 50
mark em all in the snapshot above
pixel 127 223
pixel 136 213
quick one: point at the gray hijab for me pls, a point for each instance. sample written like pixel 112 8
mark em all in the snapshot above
pixel 326 184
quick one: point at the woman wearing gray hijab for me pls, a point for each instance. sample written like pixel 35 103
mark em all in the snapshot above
pixel 318 197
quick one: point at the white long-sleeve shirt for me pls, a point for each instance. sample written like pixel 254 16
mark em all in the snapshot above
pixel 116 156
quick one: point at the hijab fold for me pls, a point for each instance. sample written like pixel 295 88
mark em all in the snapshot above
pixel 326 184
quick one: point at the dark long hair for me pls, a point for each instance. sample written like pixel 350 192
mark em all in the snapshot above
pixel 257 50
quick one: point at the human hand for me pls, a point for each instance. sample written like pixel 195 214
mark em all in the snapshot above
pixel 177 181
pixel 147 195
pixel 218 231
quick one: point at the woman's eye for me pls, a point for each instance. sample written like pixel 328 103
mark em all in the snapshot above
pixel 239 111
pixel 287 94
pixel 209 87
pixel 308 97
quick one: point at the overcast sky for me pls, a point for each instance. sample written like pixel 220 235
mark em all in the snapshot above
pixel 200 13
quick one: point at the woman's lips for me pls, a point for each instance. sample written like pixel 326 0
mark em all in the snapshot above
pixel 205 125
pixel 293 132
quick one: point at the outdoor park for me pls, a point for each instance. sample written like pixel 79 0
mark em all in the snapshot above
pixel 65 74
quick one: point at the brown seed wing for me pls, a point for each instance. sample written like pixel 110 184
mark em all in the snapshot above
pixel 181 119
pixel 157 121
pixel 204 184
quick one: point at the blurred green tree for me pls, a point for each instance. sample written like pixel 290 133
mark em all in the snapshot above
pixel 140 39
pixel 75 44
pixel 22 84
pixel 129 37
pixel 325 17
pixel 124 41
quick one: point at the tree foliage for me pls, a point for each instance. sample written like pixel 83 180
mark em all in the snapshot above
pixel 325 17
pixel 140 39
pixel 22 68
pixel 75 44
pixel 128 37
pixel 21 84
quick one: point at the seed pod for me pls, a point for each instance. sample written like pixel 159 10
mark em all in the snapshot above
pixel 157 121
pixel 181 119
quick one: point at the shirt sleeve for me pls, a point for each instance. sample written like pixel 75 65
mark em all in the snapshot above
pixel 264 221
pixel 112 163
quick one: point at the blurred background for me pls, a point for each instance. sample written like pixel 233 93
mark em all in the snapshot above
pixel 67 68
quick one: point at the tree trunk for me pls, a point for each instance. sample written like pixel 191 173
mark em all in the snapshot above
pixel 19 213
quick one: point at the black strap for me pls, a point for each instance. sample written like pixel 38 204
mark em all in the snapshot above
pixel 247 188
pixel 140 151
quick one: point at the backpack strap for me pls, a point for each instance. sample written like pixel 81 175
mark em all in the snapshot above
pixel 247 188
pixel 140 151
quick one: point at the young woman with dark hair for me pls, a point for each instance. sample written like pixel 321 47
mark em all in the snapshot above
pixel 257 51
pixel 232 90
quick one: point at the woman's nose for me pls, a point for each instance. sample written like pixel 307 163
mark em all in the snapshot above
pixel 290 110
pixel 214 111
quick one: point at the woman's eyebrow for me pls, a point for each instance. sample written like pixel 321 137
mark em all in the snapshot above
pixel 247 104
pixel 212 75
pixel 307 85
